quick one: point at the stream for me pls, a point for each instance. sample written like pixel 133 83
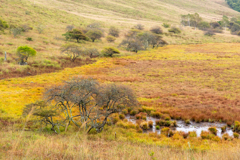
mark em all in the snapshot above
pixel 181 126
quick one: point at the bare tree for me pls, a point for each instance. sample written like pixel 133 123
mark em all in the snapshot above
pixel 85 102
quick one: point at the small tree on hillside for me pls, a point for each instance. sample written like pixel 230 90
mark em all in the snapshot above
pixel 75 34
pixel 110 51
pixel 92 52
pixel 113 31
pixel 94 34
pixel 73 51
pixel 24 52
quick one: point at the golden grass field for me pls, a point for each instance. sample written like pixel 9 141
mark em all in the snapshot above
pixel 194 77
pixel 197 79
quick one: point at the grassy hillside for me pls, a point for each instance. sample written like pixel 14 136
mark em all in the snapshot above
pixel 135 11
pixel 55 15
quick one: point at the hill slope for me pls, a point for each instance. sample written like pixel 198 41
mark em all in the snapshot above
pixel 133 11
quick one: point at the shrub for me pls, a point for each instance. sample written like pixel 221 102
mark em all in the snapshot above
pixel 192 134
pixel 133 112
pixel 113 31
pixel 29 39
pixel 165 131
pixel 171 133
pixel 139 129
pixel 115 119
pixel 3 25
pixel 177 136
pixel 235 28
pixel 129 109
pixel 92 52
pixel 215 24
pixel 157 127
pixel 167 123
pixel 121 116
pixel 110 51
pixel 223 129
pixel 213 130
pixel 209 33
pixel 204 25
pixel 174 30
pixel 236 126
pixel 94 34
pixel 150 124
pixel 139 27
pixel 138 116
pixel 144 117
pixel 226 136
pixel 206 135
pixel 216 139
pixel 156 114
pixel 144 125
pixel 174 123
pixel 110 38
pixel 125 111
pixel 160 122
pixel 165 25
pixel 235 135
pixel 156 30
pixel 167 118
pixel 187 121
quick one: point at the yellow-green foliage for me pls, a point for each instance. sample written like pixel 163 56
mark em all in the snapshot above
pixel 226 137
pixel 207 135
pixel 213 130
pixel 237 126
pixel 165 131
pixel 144 126
pixel 235 135
pixel 193 134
